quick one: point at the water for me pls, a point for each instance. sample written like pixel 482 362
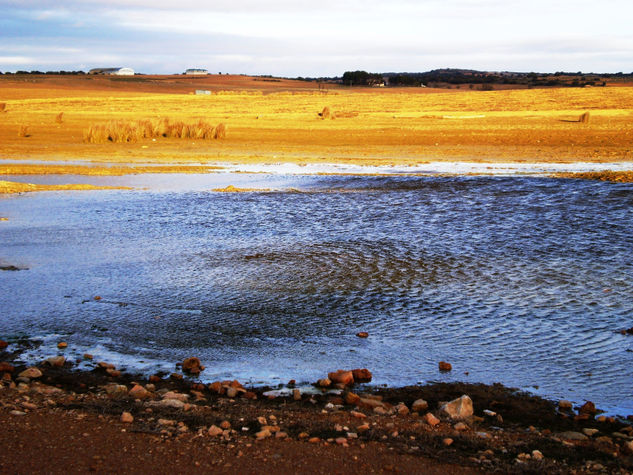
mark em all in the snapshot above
pixel 518 280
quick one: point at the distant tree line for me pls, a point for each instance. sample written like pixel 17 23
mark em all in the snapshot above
pixel 68 73
pixel 361 78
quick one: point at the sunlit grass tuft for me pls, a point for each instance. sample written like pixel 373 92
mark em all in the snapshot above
pixel 122 132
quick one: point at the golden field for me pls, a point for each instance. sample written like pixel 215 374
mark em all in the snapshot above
pixel 277 121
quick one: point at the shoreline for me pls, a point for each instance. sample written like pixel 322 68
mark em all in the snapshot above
pixel 508 430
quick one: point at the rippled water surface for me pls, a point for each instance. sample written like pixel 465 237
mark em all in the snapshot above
pixel 524 281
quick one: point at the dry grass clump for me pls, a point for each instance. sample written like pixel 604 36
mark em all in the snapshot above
pixel 59 118
pixel 23 131
pixel 325 113
pixel 625 176
pixel 584 118
pixel 122 132
pixel 3 106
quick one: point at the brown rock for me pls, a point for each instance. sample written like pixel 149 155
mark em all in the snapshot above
pixel 216 387
pixel 460 426
pixel 629 446
pixel 342 377
pixel 419 405
pixel 351 398
pixel 62 344
pixel 281 435
pixel 402 409
pixel 88 356
pixel 6 367
pixel 104 365
pixel 177 396
pixel 431 419
pixel 363 428
pixel 139 392
pixel 296 394
pixel 564 405
pixel 3 344
pixel 115 373
pixel 225 425
pixel 231 392
pixel 341 441
pixel 447 441
pixel 324 383
pixel 314 440
pixel 250 395
pixel 31 373
pixel 154 378
pixel 460 408
pixel 176 376
pixel 97 297
pixel 116 391
pixel 361 375
pixel 444 366
pixel 357 415
pixel 192 365
pixel 588 408
pixel 55 361
pixel 214 431
pixel 263 434
pixel 127 417
pixel 362 334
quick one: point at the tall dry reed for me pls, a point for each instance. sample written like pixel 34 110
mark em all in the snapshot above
pixel 121 132
pixel 23 131
pixel 59 118
pixel 3 106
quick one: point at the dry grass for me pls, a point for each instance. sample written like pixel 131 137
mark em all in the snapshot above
pixel 3 106
pixel 584 118
pixel 59 118
pixel 625 176
pixel 133 131
pixel 325 113
pixel 23 131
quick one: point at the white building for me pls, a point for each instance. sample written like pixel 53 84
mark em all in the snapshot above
pixel 113 71
pixel 196 72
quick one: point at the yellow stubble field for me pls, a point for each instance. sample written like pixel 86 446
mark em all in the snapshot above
pixel 280 123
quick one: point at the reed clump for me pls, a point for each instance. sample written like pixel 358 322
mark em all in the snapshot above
pixel 23 131
pixel 3 106
pixel 122 131
pixel 59 118
pixel 584 118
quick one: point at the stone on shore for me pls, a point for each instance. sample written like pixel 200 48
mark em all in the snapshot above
pixel 444 366
pixel 324 383
pixel 139 392
pixel 361 375
pixel 126 417
pixel 460 408
pixel 564 405
pixel 215 431
pixel 402 409
pixel 62 344
pixel 3 344
pixel 6 367
pixel 176 396
pixel 341 377
pixel 296 394
pixel 572 435
pixel 362 334
pixel 116 391
pixel 352 398
pixel 192 365
pixel 588 408
pixel 167 403
pixel 431 419
pixel 447 441
pixel 263 434
pixel 419 405
pixel 55 361
pixel 31 373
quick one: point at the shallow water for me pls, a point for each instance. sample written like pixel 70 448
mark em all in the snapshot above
pixel 519 280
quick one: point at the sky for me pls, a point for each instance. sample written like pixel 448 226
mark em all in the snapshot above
pixel 294 38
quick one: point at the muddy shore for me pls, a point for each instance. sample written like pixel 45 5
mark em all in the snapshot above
pixel 57 419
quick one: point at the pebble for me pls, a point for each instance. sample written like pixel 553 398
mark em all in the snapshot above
pixel 314 440
pixel 351 398
pixel 139 392
pixel 62 344
pixel 572 435
pixel 231 392
pixel 177 396
pixel 460 426
pixel 362 334
pixel 18 413
pixel 31 373
pixel 55 361
pixel 281 435
pixel 127 417
pixel 171 403
pixel 419 405
pixel 358 415
pixel 363 428
pixel 214 431
pixel 362 375
pixel 431 419
pixel 447 441
pixel 444 366
pixel 192 365
pixel 225 425
pixel 341 441
pixel 590 432
pixel 564 405
pixel 587 408
pixel 402 409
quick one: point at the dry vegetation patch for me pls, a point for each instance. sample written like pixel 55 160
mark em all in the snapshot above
pixel 132 131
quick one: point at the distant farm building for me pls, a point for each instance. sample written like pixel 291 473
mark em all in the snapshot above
pixel 113 71
pixel 196 72
pixel 202 92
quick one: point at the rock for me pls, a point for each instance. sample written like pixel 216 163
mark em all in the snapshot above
pixel 167 403
pixel 176 376
pixel 362 334
pixel 231 392
pixel 177 396
pixel 361 375
pixel 127 417
pixel 537 455
pixel 371 402
pixel 444 366
pixel 6 367
pixel 363 428
pixel 588 408
pixel 88 356
pixel 263 434
pixel 420 405
pixel 572 435
pixel 115 373
pixel 402 409
pixel 139 392
pixel 3 344
pixel 564 405
pixel 18 413
pixel 62 344
pixel 314 440
pixel 351 398
pixel 447 441
pixel 192 365
pixel 225 425
pixel 216 387
pixel 281 435
pixel 489 413
pixel 341 441
pixel 55 361
pixel 296 394
pixel 431 419
pixel 30 373
pixel 460 408
pixel 116 391
pixel 381 411
pixel 324 383
pixel 342 377
pixel 250 395
pixel 357 415
pixel 629 446
pixel 215 431
pixel 590 432
pixel 460 426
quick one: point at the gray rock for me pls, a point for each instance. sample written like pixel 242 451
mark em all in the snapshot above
pixel 31 373
pixel 419 406
pixel 171 403
pixel 572 435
